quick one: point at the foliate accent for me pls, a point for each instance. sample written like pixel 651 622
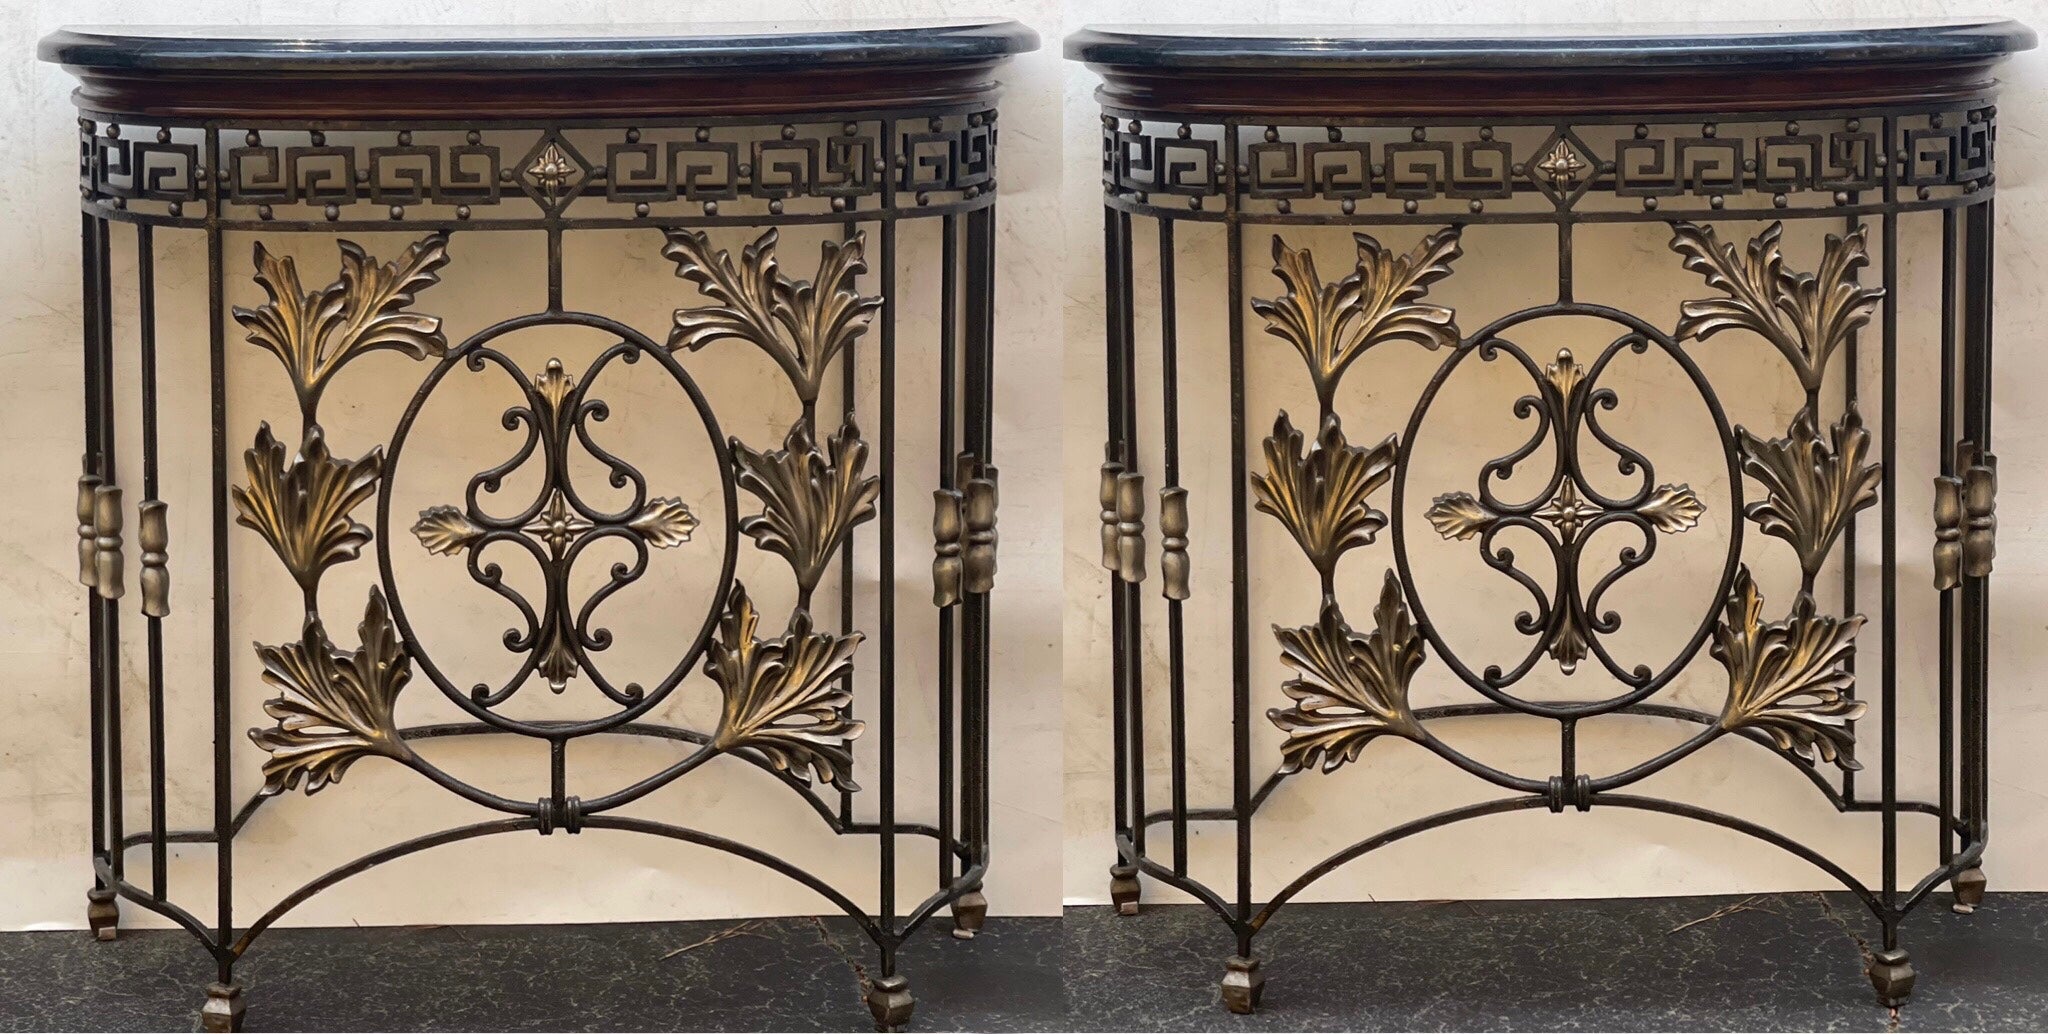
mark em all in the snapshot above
pixel 153 534
pixel 1173 542
pixel 801 325
pixel 783 696
pixel 1351 689
pixel 1813 483
pixel 106 526
pixel 1966 518
pixel 333 706
pixel 1459 515
pixel 446 530
pixel 1333 324
pixel 809 501
pixel 665 522
pixel 1806 316
pixel 1672 508
pixel 1789 679
pixel 1320 493
pixel 88 532
pixel 315 333
pixel 302 508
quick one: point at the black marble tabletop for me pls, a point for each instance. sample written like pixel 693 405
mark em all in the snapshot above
pixel 497 48
pixel 1511 47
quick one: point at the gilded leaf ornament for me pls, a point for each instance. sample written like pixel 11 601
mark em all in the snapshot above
pixel 1789 679
pixel 1813 483
pixel 810 499
pixel 1332 324
pixel 315 333
pixel 333 706
pixel 1350 689
pixel 783 696
pixel 1320 493
pixel 801 324
pixel 302 507
pixel 1806 316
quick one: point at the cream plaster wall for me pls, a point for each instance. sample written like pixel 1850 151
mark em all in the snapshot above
pixel 599 876
pixel 1535 854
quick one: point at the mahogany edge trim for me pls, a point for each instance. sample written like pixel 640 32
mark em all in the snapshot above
pixel 484 96
pixel 1339 93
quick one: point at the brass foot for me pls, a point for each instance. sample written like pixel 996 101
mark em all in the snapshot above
pixel 1969 887
pixel 1891 973
pixel 1242 983
pixel 968 912
pixel 103 913
pixel 889 999
pixel 1124 889
pixel 223 1009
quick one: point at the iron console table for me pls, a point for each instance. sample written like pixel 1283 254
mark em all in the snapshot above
pixel 1419 143
pixel 706 149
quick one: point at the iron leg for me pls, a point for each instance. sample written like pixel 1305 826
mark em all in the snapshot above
pixel 223 1010
pixel 969 910
pixel 1891 973
pixel 889 999
pixel 1242 983
pixel 103 913
pixel 1969 888
pixel 1124 889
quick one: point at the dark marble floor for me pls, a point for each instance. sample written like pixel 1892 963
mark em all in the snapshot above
pixel 1778 962
pixel 767 974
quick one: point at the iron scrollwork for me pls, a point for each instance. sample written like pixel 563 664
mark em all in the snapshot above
pixel 560 523
pixel 1568 403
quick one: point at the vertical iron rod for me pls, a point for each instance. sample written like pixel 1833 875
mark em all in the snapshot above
pixel 1888 548
pixel 949 260
pixel 223 674
pixel 886 670
pixel 1169 374
pixel 1134 607
pixel 110 474
pixel 1117 298
pixel 1945 448
pixel 982 224
pixel 95 465
pixel 849 390
pixel 145 286
pixel 1240 572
